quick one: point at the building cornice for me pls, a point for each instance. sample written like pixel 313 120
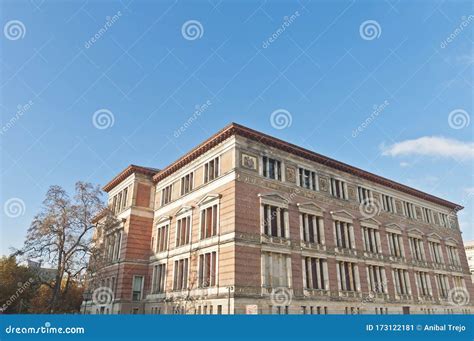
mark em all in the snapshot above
pixel 126 173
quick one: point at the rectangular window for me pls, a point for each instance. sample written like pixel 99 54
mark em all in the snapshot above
pixel 119 201
pixel 364 194
pixel 166 195
pixel 183 231
pixel 159 276
pixel 344 235
pixel 207 269
pixel 275 269
pixel 271 168
pixel 315 270
pixel 274 222
pixel 436 253
pixel 137 288
pixel 401 281
pixel 307 179
pixel 443 285
pixel 209 221
pixel 211 170
pixel 162 238
pixel 312 228
pixel 377 279
pixel 338 189
pixel 388 203
pixel 443 220
pixel 417 248
pixel 409 210
pixel 427 215
pixel 187 182
pixel 347 276
pixel 395 243
pixel 371 238
pixel 453 255
pixel 180 281
pixel 423 283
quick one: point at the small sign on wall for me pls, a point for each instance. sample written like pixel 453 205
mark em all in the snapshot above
pixel 251 309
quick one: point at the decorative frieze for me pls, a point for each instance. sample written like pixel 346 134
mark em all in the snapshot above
pixel 249 161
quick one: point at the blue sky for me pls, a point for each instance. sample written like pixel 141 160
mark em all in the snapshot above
pixel 324 66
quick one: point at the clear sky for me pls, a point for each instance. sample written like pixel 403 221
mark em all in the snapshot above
pixel 90 87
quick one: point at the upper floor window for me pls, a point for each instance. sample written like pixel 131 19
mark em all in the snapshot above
pixel 409 209
pixel 371 238
pixel 162 238
pixel 423 282
pixel 364 194
pixel 417 248
pixel 436 252
pixel 312 228
pixel 211 170
pixel 209 221
pixel 443 285
pixel 187 183
pixel 274 221
pixel 307 179
pixel 137 288
pixel 166 195
pixel 120 201
pixel 377 279
pixel 453 255
pixel 388 203
pixel 180 280
pixel 183 231
pixel 315 273
pixel 443 219
pixel 159 276
pixel 402 282
pixel 276 269
pixel 207 269
pixel 395 243
pixel 347 276
pixel 338 189
pixel 428 215
pixel 271 168
pixel 344 233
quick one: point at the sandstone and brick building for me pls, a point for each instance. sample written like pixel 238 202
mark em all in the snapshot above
pixel 247 223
